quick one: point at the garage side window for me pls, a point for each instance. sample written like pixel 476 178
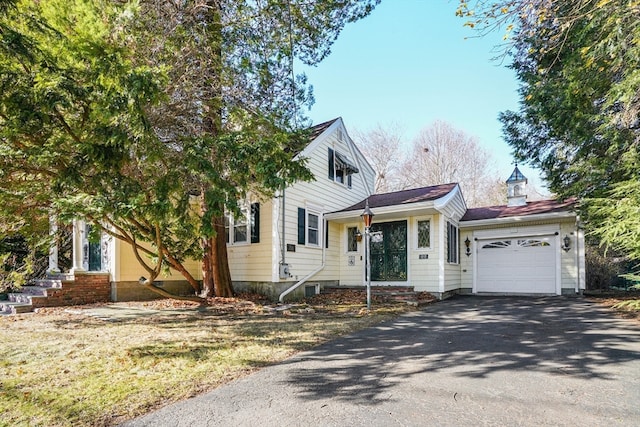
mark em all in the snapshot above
pixel 452 243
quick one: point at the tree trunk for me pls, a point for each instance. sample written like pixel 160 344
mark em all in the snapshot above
pixel 221 272
pixel 208 289
pixel 216 275
pixel 215 264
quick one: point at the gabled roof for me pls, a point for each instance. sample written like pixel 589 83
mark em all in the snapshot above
pixel 316 130
pixel 531 208
pixel 404 197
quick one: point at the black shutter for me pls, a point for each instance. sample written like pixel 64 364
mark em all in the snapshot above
pixel 331 165
pixel 302 214
pixel 349 182
pixel 326 234
pixel 255 222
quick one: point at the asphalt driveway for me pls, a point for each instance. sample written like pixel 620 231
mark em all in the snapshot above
pixel 467 361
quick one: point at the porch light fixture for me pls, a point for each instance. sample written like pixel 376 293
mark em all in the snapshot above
pixel 467 243
pixel 358 235
pixel 367 217
pixel 566 243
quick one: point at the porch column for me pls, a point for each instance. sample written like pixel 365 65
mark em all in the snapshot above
pixel 53 248
pixel 78 227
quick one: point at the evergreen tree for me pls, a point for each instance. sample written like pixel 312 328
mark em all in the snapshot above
pixel 153 119
pixel 578 62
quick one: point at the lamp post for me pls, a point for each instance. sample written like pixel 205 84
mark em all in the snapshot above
pixel 367 217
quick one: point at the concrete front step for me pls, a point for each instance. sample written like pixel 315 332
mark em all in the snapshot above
pixel 24 298
pixel 37 290
pixel 8 307
pixel 49 283
pixel 22 302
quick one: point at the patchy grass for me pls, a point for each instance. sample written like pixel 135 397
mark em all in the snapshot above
pixel 60 367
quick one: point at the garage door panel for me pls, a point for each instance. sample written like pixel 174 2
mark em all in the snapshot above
pixel 517 265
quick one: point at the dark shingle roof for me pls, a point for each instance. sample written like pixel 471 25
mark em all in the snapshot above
pixel 415 195
pixel 531 208
pixel 316 130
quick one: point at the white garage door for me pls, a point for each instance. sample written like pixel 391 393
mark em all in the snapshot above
pixel 517 265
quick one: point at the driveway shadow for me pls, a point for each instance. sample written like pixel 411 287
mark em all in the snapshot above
pixel 469 337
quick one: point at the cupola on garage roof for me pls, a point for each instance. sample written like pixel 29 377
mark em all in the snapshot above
pixel 516 188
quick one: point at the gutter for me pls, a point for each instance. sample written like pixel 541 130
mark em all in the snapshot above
pixel 516 219
pixel 307 277
pixel 283 249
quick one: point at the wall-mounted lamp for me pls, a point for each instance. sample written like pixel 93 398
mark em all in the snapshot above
pixel 358 236
pixel 467 243
pixel 566 243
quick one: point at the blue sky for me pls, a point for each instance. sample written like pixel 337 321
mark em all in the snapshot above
pixel 412 62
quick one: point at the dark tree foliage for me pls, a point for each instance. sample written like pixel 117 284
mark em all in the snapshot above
pixel 578 63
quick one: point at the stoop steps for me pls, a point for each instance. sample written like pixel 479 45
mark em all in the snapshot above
pixel 22 302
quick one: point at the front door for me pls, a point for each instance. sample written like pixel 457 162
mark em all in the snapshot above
pixel 95 253
pixel 389 255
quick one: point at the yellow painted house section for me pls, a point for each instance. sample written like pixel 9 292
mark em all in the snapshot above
pixel 253 261
pixel 128 269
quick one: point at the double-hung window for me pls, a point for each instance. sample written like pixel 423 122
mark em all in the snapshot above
pixel 313 229
pixel 244 228
pixel 309 227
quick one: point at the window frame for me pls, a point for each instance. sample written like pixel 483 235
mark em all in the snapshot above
pixel 337 175
pixel 317 229
pixel 246 220
pixel 349 249
pixel 416 233
pixel 453 244
pixel 317 212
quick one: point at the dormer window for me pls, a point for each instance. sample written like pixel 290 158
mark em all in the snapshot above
pixel 340 168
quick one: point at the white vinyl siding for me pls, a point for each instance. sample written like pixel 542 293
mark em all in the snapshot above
pixel 325 196
pixel 422 262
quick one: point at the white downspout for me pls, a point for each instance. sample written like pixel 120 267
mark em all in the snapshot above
pixel 308 276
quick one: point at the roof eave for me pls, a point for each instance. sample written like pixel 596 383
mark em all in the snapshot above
pixel 382 210
pixel 518 218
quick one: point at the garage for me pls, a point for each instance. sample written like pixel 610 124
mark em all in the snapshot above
pixel 517 265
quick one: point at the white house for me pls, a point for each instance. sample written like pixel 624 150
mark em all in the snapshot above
pixel 307 237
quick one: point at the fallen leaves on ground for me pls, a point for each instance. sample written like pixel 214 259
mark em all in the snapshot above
pixel 626 304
